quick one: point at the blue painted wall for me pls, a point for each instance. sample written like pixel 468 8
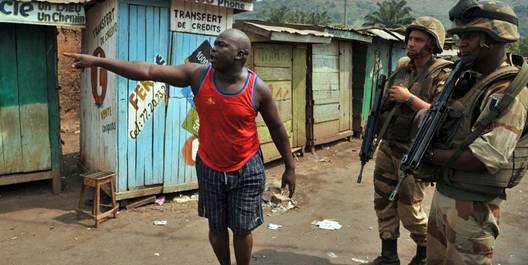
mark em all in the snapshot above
pixel 177 170
pixel 143 34
pixel 156 157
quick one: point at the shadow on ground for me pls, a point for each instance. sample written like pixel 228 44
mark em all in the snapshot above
pixel 274 257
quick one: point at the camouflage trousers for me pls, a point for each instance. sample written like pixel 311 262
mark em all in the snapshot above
pixel 462 232
pixel 407 208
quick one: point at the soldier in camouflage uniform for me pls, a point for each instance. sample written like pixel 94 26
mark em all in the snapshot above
pixel 416 82
pixel 464 216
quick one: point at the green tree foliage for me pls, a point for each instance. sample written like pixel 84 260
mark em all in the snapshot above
pixel 520 47
pixel 278 14
pixel 314 18
pixel 391 14
pixel 523 47
pixel 358 9
pixel 284 14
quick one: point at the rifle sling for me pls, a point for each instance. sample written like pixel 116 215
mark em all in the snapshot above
pixel 433 68
pixel 515 88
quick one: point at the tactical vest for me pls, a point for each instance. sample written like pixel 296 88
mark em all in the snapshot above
pixel 401 119
pixel 459 124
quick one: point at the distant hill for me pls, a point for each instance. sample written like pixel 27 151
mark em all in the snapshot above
pixel 357 9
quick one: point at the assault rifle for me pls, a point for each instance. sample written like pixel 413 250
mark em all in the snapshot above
pixel 367 146
pixel 432 122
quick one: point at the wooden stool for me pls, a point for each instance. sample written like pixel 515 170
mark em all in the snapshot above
pixel 96 181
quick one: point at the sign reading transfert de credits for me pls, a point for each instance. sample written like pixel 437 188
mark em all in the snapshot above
pixel 42 13
pixel 188 16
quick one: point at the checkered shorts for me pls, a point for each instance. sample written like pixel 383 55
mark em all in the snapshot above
pixel 232 199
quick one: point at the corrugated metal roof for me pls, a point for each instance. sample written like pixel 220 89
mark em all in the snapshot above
pixel 348 34
pixel 398 35
pixel 290 30
pixel 383 34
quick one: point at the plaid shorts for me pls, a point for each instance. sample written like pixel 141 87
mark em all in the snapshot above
pixel 232 199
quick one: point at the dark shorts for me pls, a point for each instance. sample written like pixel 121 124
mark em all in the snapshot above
pixel 232 199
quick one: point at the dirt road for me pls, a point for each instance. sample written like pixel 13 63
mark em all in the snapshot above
pixel 37 227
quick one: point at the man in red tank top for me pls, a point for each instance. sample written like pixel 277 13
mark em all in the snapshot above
pixel 229 164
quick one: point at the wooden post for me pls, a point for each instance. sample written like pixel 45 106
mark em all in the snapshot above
pixel 56 181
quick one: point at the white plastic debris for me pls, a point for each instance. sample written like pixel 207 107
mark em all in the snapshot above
pixel 361 261
pixel 328 225
pixel 325 160
pixel 160 222
pixel 182 199
pixel 274 226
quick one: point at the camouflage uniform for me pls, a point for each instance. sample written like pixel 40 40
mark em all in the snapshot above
pixel 462 232
pixel 408 208
pixel 425 85
pixel 464 216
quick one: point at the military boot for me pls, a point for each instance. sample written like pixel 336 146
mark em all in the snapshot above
pixel 420 258
pixel 389 254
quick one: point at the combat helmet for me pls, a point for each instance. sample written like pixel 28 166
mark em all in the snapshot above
pixel 433 27
pixel 495 18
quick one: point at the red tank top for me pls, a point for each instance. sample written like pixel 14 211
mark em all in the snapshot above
pixel 228 130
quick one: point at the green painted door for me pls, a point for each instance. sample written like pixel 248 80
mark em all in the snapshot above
pixel 24 119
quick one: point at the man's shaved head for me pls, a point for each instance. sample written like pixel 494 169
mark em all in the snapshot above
pixel 231 47
pixel 240 39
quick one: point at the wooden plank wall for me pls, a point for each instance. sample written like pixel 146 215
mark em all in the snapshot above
pixel 25 143
pixel 10 146
pixel 179 170
pixel 141 160
pixel 273 63
pixel 299 69
pixel 326 91
pixel 345 86
pixel 99 122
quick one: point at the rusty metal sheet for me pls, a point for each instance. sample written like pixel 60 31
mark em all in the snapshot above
pixel 290 30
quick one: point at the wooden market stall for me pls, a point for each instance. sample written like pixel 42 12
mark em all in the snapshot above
pixel 332 87
pixel 30 147
pixel 280 57
pixel 146 131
